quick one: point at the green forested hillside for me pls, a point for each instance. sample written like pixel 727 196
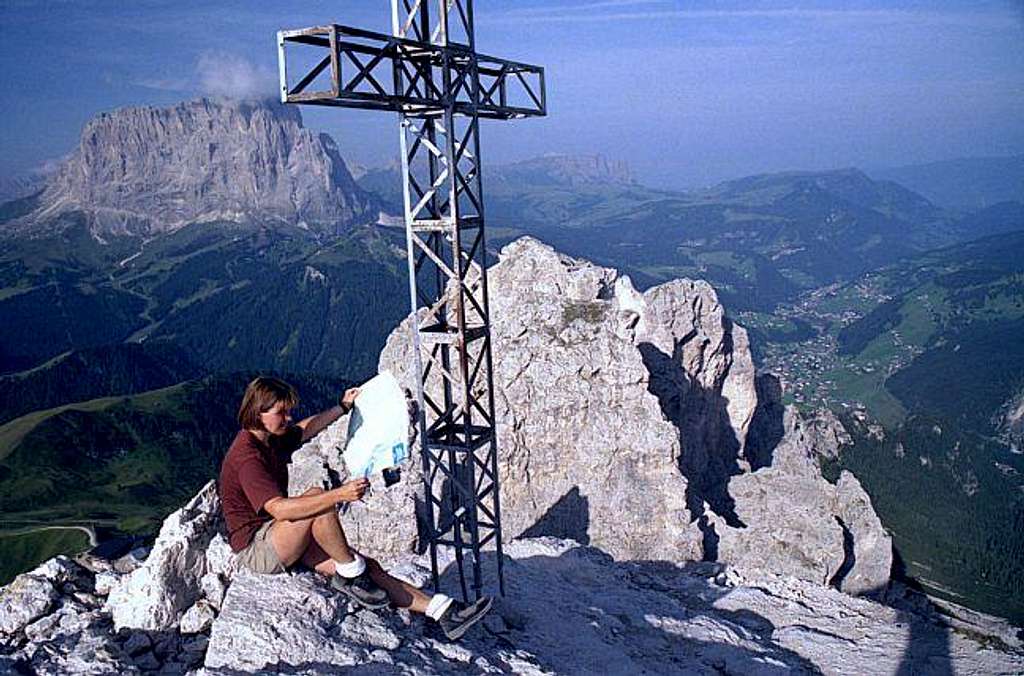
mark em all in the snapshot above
pixel 953 500
pixel 946 344
pixel 81 375
pixel 232 297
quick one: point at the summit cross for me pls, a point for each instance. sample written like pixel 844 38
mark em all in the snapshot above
pixel 429 72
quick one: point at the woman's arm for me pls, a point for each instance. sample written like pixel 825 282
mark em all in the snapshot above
pixel 313 425
pixel 314 504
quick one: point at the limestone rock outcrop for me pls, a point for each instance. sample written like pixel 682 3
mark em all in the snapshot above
pixel 827 434
pixel 625 421
pixel 796 522
pixel 149 170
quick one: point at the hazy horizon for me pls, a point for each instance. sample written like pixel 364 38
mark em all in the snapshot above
pixel 687 95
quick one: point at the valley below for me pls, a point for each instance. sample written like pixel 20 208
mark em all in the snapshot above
pixel 920 362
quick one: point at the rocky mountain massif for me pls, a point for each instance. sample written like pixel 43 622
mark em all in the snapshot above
pixel 621 470
pixel 151 170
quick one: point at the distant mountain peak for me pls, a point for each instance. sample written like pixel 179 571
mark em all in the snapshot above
pixel 569 169
pixel 146 170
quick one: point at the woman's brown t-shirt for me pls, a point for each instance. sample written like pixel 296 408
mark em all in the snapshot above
pixel 252 474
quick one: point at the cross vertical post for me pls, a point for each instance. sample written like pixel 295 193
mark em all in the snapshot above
pixel 429 72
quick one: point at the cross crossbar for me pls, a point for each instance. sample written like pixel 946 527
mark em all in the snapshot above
pixel 513 90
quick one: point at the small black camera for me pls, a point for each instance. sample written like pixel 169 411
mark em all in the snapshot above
pixel 392 475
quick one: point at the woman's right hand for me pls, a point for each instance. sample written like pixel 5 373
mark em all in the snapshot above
pixel 350 491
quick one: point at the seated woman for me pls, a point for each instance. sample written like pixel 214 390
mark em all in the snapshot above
pixel 271 532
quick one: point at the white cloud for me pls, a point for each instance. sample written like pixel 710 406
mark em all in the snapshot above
pixel 230 75
pixel 166 84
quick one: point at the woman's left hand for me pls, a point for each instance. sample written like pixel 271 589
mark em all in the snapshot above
pixel 348 400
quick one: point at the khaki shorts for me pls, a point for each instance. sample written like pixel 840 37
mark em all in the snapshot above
pixel 260 556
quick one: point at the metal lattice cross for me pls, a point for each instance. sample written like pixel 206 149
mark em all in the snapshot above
pixel 428 71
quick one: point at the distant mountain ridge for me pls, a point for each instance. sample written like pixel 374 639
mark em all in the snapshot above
pixel 147 170
pixel 760 239
pixel 850 184
pixel 547 172
pixel 967 183
pixel 566 169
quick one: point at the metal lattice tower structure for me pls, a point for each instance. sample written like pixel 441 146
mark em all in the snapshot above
pixel 428 71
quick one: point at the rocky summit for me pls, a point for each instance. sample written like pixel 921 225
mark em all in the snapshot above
pixel 149 170
pixel 663 513
pixel 635 423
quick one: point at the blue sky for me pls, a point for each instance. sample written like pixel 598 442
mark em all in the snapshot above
pixel 688 93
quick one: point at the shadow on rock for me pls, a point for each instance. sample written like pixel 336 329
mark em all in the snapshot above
pixel 710 452
pixel 767 427
pixel 569 518
pixel 928 648
pixel 575 610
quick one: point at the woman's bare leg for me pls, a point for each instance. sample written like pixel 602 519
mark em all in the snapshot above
pixel 401 593
pixel 330 536
pixel 291 539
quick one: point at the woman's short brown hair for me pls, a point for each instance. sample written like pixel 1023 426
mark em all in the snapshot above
pixel 260 396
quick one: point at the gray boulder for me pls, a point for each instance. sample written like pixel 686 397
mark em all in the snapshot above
pixel 24 600
pixel 34 594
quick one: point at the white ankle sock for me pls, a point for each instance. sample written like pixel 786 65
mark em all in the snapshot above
pixel 353 568
pixel 438 604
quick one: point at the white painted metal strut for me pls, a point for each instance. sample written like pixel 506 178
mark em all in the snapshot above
pixel 428 71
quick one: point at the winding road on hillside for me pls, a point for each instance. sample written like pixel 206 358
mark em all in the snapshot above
pixel 88 530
